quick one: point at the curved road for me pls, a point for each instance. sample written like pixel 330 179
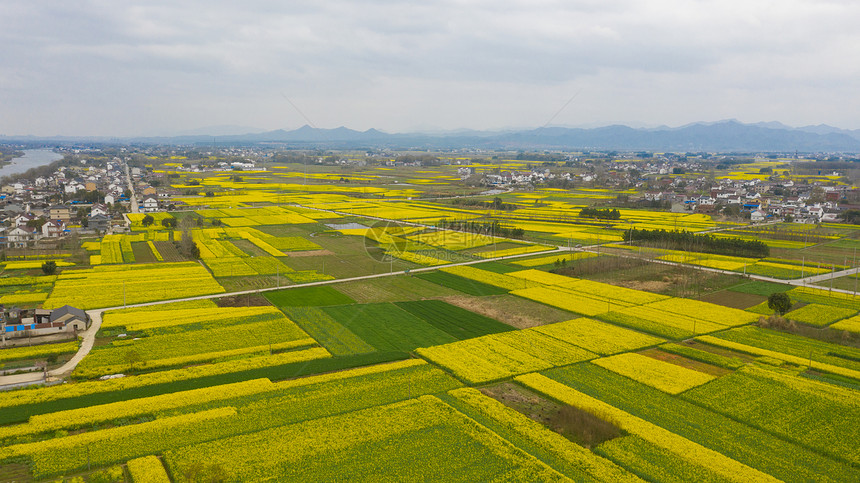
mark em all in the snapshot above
pixel 89 335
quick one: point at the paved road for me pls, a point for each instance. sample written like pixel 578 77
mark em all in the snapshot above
pixel 88 339
pixel 796 282
pixel 89 336
pixel 21 380
pixel 828 276
pixel 134 206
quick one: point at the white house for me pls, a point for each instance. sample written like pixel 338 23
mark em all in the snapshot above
pixel 23 218
pixel 98 209
pixel 150 204
pixel 21 236
pixel 53 228
pixel 815 211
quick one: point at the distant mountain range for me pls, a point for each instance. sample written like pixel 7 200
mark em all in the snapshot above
pixel 721 136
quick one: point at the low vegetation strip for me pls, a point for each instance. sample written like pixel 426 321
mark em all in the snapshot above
pixel 681 447
pixel 43 396
pixel 88 370
pixel 598 337
pixel 553 259
pixel 332 335
pixel 63 455
pixel 514 251
pixel 540 276
pixel 491 278
pixel 153 318
pixel 667 377
pixel 820 315
pixel 465 285
pixel 661 323
pixel 195 343
pixel 32 298
pixel 500 356
pixel 566 300
pixel 148 406
pixel 560 453
pixel 825 297
pixel 850 325
pixel 417 258
pixel 387 327
pixel 147 469
pixel 456 321
pixel 400 434
pixel 801 361
pixel 715 314
pixel 655 463
pixel 115 285
pixel 38 351
pixel 30 265
pixel 703 356
pixel 267 265
pixel 308 297
pixel 753 447
pixel 617 295
pixel 782 270
pixel 795 345
pixel 766 391
pixel 229 267
pixel 155 252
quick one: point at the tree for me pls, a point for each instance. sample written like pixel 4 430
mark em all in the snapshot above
pixel 49 267
pixel 186 245
pixel 779 302
pixel 132 357
pixel 147 220
pixel 817 195
pixel 851 216
pixel 732 210
pixel 168 222
pixel 36 223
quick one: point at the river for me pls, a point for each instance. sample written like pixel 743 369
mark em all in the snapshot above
pixel 32 158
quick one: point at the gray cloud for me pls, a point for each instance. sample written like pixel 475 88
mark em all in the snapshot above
pixel 127 68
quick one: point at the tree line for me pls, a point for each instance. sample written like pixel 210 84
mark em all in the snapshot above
pixel 600 213
pixel 491 229
pixel 496 204
pixel 706 243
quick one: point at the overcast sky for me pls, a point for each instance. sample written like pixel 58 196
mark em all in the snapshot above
pixel 121 68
